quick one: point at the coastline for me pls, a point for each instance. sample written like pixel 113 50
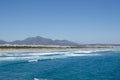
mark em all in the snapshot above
pixel 53 49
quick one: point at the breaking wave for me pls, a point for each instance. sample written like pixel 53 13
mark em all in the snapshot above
pixel 34 57
pixel 39 79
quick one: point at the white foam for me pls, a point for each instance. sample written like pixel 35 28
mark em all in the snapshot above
pixel 33 60
pixel 90 51
pixel 35 79
pixel 34 57
pixel 70 55
pixel 84 51
pixel 39 79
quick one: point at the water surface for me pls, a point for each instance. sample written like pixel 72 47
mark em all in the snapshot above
pixel 66 65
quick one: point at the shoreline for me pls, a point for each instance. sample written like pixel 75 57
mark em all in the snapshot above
pixel 54 49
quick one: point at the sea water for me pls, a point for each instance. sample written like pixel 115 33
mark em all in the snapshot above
pixel 61 65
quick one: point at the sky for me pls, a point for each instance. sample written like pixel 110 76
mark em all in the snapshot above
pixel 81 21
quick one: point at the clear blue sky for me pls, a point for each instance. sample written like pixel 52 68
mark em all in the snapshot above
pixel 82 21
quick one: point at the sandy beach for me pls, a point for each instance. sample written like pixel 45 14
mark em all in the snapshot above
pixel 53 49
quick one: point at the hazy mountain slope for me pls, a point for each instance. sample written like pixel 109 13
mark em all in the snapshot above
pixel 43 41
pixel 3 42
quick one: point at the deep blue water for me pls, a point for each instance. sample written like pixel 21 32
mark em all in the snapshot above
pixel 104 66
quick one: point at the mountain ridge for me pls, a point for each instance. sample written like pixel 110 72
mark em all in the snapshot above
pixel 38 40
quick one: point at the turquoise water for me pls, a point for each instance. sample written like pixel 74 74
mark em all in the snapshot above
pixel 65 65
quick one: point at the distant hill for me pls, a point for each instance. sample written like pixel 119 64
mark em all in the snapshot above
pixel 41 41
pixel 98 44
pixel 3 42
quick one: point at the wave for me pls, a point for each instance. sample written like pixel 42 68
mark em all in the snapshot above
pixel 34 57
pixel 91 51
pixel 39 79
pixel 33 60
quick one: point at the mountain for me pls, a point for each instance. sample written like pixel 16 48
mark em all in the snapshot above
pixel 3 42
pixel 42 41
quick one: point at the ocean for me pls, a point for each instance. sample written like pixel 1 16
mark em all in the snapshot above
pixel 61 65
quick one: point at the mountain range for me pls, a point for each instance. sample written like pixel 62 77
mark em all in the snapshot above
pixel 38 40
